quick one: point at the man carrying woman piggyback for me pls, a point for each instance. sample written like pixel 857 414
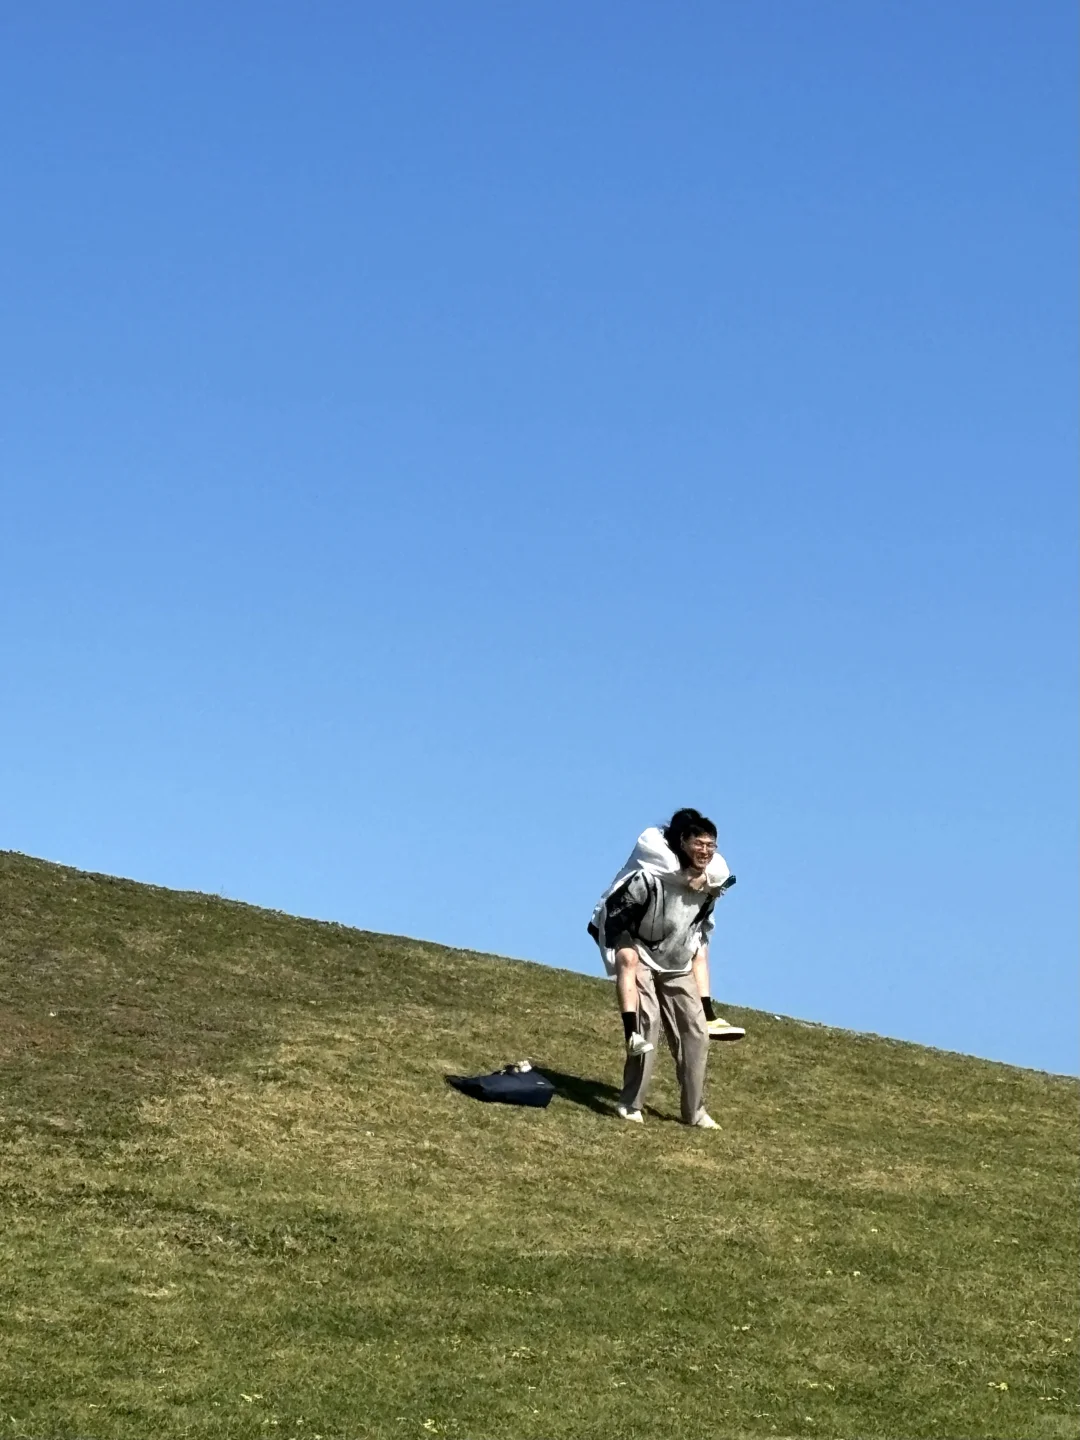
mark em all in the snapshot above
pixel 653 926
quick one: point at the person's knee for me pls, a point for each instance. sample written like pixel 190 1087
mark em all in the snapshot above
pixel 626 961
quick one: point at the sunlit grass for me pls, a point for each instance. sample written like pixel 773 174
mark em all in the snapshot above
pixel 240 1200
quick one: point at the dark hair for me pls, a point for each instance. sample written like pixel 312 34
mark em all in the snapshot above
pixel 686 825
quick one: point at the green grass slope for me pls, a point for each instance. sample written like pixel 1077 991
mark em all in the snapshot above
pixel 239 1200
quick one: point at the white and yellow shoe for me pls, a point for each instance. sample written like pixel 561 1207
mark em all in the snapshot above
pixel 720 1029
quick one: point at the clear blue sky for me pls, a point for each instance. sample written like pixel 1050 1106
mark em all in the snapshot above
pixel 437 440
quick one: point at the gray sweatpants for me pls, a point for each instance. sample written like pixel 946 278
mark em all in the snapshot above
pixel 670 1002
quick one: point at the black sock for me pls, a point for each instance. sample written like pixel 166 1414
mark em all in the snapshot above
pixel 629 1023
pixel 706 1005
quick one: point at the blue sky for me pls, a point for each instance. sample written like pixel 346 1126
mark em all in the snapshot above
pixel 436 441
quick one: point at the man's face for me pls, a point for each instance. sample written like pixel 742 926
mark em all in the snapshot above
pixel 699 850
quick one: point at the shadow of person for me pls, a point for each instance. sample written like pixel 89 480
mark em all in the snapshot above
pixel 592 1094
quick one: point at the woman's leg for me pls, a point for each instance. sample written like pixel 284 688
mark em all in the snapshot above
pixel 701 977
pixel 718 1027
pixel 626 987
pixel 626 962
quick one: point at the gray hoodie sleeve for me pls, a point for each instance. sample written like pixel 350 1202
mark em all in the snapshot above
pixel 626 908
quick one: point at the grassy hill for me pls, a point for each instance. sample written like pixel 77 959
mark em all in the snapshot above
pixel 239 1200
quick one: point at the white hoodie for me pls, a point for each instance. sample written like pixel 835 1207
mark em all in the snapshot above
pixel 653 854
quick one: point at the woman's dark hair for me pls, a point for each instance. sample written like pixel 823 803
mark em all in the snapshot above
pixel 687 825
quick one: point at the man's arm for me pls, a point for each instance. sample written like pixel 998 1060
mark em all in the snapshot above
pixel 625 911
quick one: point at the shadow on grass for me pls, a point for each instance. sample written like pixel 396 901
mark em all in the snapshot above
pixel 592 1094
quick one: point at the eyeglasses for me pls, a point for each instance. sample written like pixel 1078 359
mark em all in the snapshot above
pixel 701 844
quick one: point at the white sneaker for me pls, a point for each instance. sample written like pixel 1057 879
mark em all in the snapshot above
pixel 704 1121
pixel 638 1045
pixel 635 1115
pixel 723 1030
